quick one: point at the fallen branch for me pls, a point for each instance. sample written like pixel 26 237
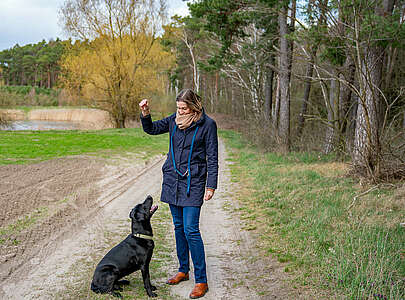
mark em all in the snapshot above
pixel 362 194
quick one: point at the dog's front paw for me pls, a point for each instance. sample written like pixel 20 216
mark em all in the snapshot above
pixel 151 294
pixel 153 288
pixel 116 294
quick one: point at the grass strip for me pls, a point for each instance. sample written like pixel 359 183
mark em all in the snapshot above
pixel 301 205
pixel 20 147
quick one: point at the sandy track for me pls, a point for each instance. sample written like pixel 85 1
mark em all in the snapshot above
pixel 234 270
pixel 224 246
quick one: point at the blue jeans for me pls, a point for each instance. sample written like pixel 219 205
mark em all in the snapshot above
pixel 186 222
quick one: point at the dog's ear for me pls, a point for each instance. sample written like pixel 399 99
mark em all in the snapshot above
pixel 138 213
pixel 131 214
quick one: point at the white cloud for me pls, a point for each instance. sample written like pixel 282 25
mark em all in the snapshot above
pixel 31 21
pixel 25 22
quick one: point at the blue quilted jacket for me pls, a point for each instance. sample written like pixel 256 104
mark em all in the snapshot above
pixel 186 176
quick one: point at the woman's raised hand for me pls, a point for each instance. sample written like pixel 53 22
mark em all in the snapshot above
pixel 144 106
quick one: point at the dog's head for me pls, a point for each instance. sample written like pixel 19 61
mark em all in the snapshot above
pixel 141 214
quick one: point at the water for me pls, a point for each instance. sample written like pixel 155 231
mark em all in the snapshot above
pixel 41 125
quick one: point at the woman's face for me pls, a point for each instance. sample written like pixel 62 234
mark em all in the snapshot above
pixel 182 108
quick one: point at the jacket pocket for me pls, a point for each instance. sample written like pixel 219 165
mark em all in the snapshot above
pixel 199 171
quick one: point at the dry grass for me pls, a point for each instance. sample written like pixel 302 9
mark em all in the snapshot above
pixel 339 239
pixel 3 120
pixel 330 169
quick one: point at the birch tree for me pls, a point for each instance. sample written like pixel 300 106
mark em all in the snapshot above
pixel 367 147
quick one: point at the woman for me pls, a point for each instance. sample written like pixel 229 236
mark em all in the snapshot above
pixel 190 175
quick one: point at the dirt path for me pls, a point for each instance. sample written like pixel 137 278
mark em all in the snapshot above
pixel 225 245
pixel 235 270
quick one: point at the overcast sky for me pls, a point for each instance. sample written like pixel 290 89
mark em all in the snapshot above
pixel 31 21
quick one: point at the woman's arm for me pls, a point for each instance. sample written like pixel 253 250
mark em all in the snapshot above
pixel 157 127
pixel 211 144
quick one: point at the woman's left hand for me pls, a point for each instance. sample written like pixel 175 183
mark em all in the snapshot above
pixel 208 194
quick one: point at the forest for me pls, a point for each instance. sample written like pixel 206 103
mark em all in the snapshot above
pixel 33 64
pixel 323 76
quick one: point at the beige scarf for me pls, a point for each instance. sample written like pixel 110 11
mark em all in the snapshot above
pixel 184 121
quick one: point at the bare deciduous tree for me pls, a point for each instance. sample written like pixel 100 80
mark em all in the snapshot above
pixel 121 32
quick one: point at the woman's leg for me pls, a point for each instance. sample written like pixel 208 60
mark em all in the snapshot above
pixel 191 220
pixel 181 241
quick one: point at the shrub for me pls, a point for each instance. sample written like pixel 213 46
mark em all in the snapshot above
pixel 27 95
pixel 3 120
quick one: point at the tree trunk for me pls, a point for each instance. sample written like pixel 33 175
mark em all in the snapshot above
pixel 367 148
pixel 345 93
pixel 120 117
pixel 49 78
pixel 233 100
pixel 195 71
pixel 307 90
pixel 330 139
pixel 284 122
pixel 268 93
pixel 213 108
pixel 276 106
pixel 213 93
pixel 351 125
pixel 391 59
pixel 367 144
pixel 244 106
pixel 120 112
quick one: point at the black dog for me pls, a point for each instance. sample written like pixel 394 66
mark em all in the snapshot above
pixel 132 254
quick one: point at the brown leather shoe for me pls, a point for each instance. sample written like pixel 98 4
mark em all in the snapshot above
pixel 199 290
pixel 179 277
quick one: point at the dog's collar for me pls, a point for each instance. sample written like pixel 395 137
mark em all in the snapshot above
pixel 142 236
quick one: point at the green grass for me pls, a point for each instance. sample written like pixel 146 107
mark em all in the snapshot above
pixel 19 147
pixel 301 206
pixel 82 272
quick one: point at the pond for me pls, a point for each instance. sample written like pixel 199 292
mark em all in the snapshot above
pixel 41 125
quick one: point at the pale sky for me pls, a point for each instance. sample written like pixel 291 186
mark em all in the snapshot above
pixel 31 21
